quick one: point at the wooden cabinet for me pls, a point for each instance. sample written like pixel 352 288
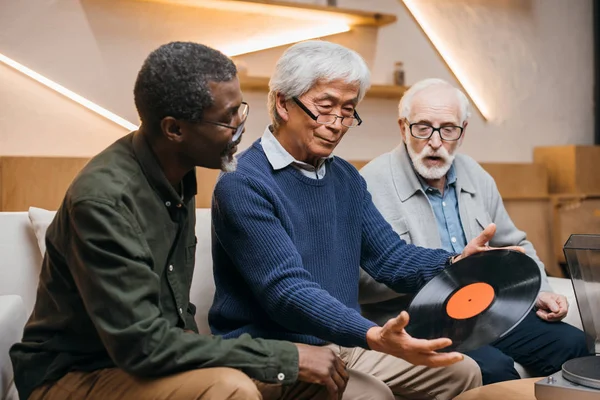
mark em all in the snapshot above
pixel 571 169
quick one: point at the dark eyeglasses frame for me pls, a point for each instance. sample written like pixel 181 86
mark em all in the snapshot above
pixel 237 129
pixel 314 117
pixel 438 130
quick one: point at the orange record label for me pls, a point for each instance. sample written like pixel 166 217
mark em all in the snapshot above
pixel 470 300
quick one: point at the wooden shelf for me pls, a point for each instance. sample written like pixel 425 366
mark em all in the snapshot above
pixel 289 9
pixel 261 84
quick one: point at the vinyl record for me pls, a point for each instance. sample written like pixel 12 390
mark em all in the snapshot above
pixel 476 300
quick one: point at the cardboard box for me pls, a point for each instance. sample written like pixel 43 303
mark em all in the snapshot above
pixel 574 215
pixel 519 180
pixel 571 169
pixel 534 217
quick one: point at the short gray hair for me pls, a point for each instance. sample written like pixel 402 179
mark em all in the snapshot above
pixel 406 102
pixel 305 63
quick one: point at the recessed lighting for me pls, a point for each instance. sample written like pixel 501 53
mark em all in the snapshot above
pixel 68 93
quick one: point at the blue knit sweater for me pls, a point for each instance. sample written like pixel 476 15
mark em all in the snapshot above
pixel 287 251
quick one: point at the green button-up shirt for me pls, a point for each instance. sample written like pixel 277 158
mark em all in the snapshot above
pixel 115 282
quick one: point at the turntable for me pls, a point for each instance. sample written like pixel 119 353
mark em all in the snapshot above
pixel 580 378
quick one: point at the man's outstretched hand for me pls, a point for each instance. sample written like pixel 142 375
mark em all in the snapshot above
pixel 480 244
pixel 392 339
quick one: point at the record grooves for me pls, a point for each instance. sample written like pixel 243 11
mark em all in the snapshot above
pixel 476 300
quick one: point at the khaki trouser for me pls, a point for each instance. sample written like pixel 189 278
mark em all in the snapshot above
pixel 373 376
pixel 205 384
pixel 402 380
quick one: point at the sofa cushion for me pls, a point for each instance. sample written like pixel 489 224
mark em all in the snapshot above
pixel 40 220
pixel 203 283
pixel 12 320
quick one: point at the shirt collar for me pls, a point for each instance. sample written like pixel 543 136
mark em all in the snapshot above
pixel 155 175
pixel 450 179
pixel 279 157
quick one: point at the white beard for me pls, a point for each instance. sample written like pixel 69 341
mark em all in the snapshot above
pixel 426 172
pixel 228 163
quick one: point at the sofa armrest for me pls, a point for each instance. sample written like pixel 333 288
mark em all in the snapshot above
pixel 12 321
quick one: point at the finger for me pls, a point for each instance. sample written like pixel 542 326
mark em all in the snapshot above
pixel 485 236
pixel 340 367
pixel 442 359
pixel 542 314
pixel 400 322
pixel 562 312
pixel 514 248
pixel 550 304
pixel 557 316
pixel 332 388
pixel 551 317
pixel 427 346
pixel 563 303
pixel 339 382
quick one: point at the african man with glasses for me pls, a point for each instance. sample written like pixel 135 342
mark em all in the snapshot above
pixel 434 197
pixel 293 225
pixel 113 317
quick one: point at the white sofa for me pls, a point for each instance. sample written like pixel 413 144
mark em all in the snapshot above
pixel 20 261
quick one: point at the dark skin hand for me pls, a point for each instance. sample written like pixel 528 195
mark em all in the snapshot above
pixel 320 365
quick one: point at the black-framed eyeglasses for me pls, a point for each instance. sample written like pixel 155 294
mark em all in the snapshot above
pixel 448 133
pixel 243 112
pixel 328 119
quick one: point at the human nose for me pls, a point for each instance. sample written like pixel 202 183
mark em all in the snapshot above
pixel 336 126
pixel 435 141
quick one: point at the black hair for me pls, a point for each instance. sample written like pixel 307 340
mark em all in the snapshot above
pixel 173 81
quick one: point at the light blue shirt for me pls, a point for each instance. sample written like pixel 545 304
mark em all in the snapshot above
pixel 279 158
pixel 445 208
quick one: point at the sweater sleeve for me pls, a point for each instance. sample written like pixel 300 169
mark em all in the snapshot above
pixel 406 268
pixel 247 225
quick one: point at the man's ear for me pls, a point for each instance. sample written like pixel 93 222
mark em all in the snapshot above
pixel 403 129
pixel 171 129
pixel 463 133
pixel 281 106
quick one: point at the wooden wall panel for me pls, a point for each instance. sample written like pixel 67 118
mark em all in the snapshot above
pixel 519 180
pixel 574 215
pixel 36 181
pixel 571 169
pixel 206 179
pixel 42 182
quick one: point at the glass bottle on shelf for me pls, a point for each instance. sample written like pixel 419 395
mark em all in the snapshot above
pixel 399 73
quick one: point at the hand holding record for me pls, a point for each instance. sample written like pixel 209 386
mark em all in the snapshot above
pixel 394 340
pixel 480 243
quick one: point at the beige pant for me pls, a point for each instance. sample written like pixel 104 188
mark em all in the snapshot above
pixel 378 376
pixel 205 384
pixel 373 376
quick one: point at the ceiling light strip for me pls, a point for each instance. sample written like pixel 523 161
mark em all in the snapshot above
pixel 67 93
pixel 452 63
pixel 270 41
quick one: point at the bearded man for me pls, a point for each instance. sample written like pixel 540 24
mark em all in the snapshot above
pixel 436 198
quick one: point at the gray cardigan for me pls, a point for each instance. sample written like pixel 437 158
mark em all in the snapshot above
pixel 398 195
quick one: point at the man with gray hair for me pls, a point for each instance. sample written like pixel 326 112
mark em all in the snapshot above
pixel 436 198
pixel 113 317
pixel 293 225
